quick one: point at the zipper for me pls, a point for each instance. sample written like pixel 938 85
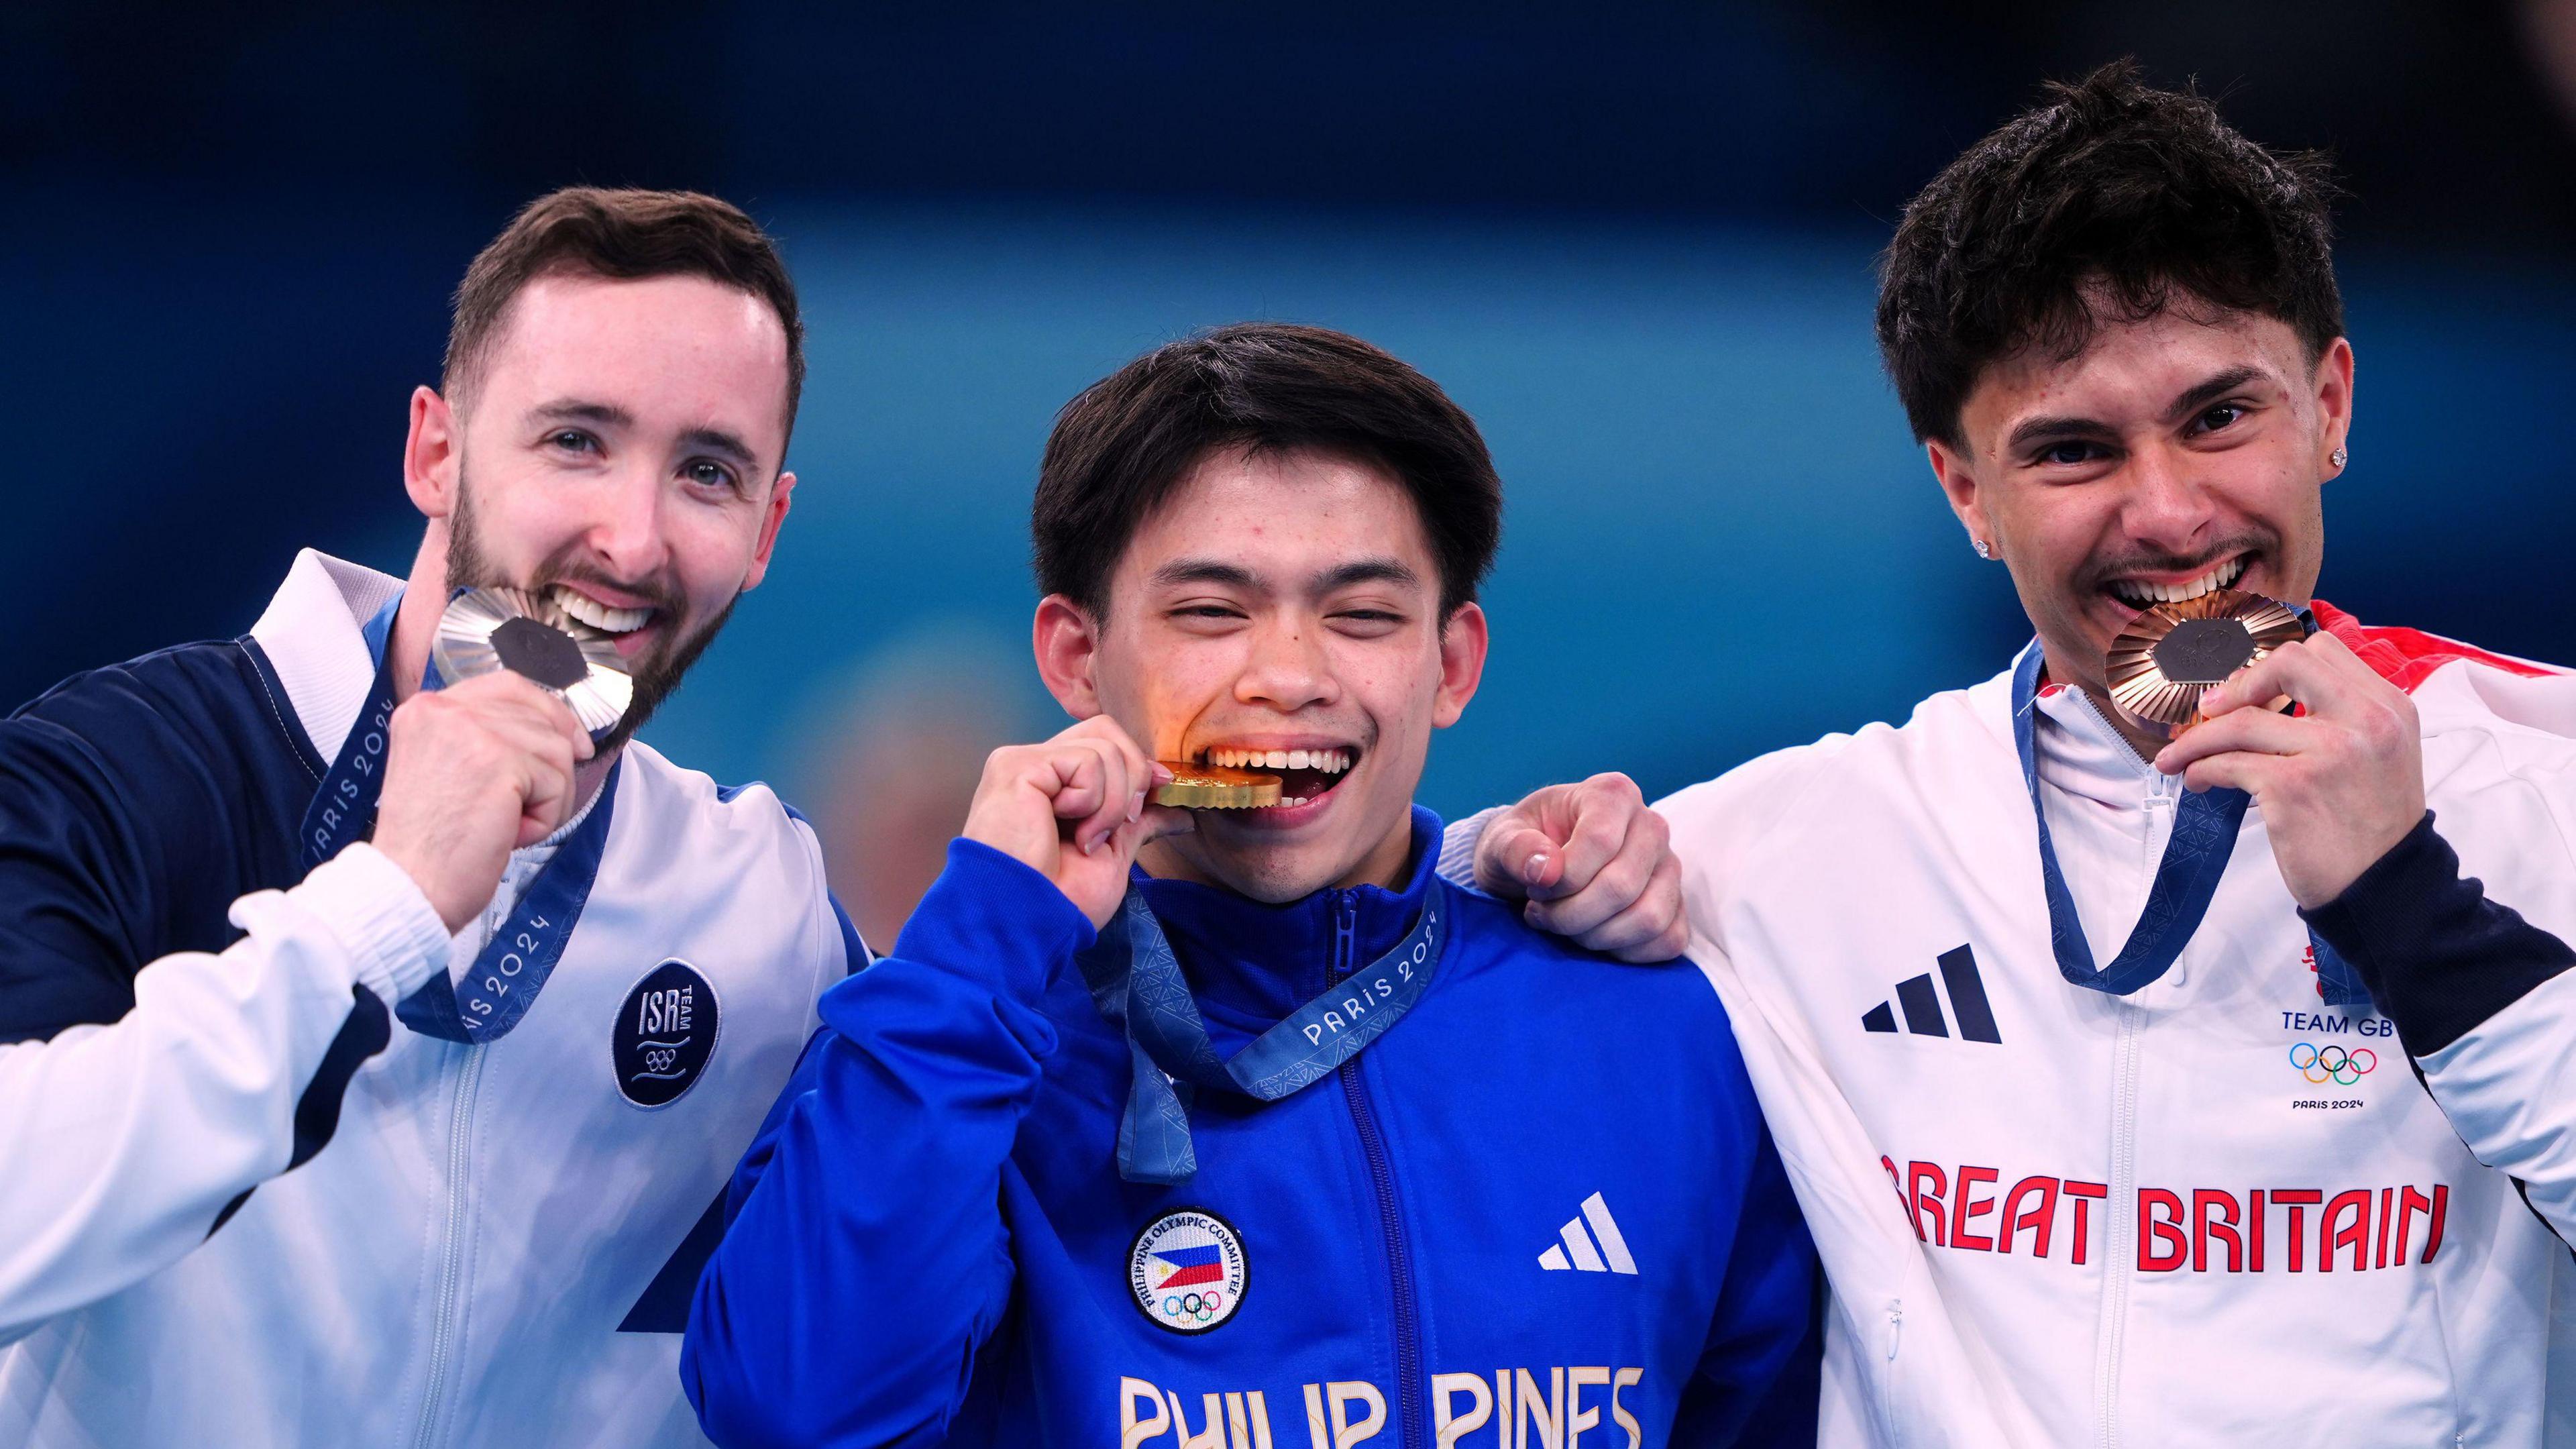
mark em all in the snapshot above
pixel 2119 1251
pixel 1415 1412
pixel 1887 1376
pixel 460 1118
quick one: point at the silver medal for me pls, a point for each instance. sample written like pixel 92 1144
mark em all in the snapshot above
pixel 485 630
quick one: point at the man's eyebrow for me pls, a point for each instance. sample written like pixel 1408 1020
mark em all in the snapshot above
pixel 1366 571
pixel 2031 431
pixel 1205 571
pixel 575 410
pixel 718 440
pixel 2219 385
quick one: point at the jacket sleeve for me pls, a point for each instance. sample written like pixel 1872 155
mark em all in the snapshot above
pixel 1757 1381
pixel 2483 1000
pixel 866 1261
pixel 124 1140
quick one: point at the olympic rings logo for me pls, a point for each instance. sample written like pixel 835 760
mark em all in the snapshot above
pixel 1193 1307
pixel 2332 1063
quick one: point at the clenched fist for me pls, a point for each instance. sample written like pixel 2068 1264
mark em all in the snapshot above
pixel 473 772
pixel 1074 810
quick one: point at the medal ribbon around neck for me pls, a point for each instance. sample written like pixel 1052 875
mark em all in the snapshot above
pixel 515 963
pixel 1136 980
pixel 2196 854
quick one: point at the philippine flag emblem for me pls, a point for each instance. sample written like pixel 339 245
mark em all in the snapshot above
pixel 1188 1271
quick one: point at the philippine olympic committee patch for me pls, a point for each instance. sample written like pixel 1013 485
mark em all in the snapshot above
pixel 665 1033
pixel 1188 1271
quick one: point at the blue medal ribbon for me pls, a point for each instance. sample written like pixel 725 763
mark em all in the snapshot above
pixel 2204 836
pixel 514 965
pixel 1136 980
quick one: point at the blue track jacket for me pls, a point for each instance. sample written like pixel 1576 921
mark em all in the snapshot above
pixel 1540 1210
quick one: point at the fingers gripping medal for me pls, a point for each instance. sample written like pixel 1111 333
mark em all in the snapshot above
pixel 2174 653
pixel 485 630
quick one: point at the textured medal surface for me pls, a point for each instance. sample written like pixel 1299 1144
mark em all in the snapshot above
pixel 2171 654
pixel 1216 787
pixel 485 630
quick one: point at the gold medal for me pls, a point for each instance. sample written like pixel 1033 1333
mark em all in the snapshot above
pixel 484 630
pixel 1216 787
pixel 2172 654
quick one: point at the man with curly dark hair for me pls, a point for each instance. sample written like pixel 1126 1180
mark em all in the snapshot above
pixel 2087 1048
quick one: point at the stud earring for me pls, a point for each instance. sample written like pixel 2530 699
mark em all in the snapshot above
pixel 1985 550
pixel 2336 457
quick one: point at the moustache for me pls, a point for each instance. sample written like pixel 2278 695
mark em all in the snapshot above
pixel 2098 573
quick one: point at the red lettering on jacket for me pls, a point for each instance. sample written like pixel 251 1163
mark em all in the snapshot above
pixel 1965 1209
pixel 2080 1192
pixel 2039 1217
pixel 2160 1225
pixel 1928 1201
pixel 2356 1232
pixel 2213 1215
pixel 2297 1199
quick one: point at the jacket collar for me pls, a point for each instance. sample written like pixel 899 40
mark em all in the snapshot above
pixel 312 636
pixel 1250 964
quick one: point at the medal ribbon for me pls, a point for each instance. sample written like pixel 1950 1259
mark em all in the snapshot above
pixel 2204 836
pixel 515 963
pixel 1136 980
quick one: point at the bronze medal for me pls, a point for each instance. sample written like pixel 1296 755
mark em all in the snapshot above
pixel 2172 654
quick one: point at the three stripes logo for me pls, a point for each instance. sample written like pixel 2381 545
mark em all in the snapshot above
pixel 1922 1004
pixel 1602 1250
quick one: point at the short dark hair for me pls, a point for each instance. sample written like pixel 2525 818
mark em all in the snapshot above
pixel 2144 194
pixel 625 235
pixel 1125 442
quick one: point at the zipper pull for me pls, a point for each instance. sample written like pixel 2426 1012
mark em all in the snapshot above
pixel 1346 921
pixel 1895 1325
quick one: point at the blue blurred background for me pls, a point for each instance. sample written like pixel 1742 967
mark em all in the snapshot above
pixel 1636 242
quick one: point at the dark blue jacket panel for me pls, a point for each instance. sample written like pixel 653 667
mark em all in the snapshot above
pixel 137 802
pixel 1545 1196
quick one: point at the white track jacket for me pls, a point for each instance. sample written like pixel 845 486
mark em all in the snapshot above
pixel 2216 1211
pixel 241 1203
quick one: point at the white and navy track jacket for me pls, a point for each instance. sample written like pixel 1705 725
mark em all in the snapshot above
pixel 241 1203
pixel 2217 1210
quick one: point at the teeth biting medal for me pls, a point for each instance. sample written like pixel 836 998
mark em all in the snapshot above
pixel 1216 787
pixel 484 630
pixel 2175 652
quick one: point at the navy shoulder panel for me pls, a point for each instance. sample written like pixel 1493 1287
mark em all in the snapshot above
pixel 137 802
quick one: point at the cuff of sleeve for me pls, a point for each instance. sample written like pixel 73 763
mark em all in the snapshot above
pixel 2390 901
pixel 1458 847
pixel 394 936
pixel 995 920
pixel 2437 955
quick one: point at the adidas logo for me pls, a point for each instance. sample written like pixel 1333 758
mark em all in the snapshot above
pixel 1577 1250
pixel 1922 1004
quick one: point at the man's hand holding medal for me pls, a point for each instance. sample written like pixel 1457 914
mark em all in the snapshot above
pixel 2340 783
pixel 1075 809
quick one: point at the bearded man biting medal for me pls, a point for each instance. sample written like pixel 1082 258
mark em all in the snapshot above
pixel 2070 1033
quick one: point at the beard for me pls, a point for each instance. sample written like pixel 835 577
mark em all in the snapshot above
pixel 656 672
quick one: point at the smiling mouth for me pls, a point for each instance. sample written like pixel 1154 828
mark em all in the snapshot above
pixel 2141 593
pixel 1305 776
pixel 607 619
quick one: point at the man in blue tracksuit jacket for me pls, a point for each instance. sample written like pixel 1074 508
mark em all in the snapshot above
pixel 1242 1128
